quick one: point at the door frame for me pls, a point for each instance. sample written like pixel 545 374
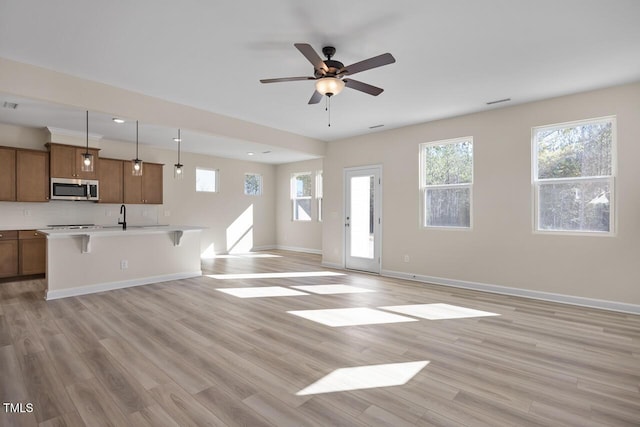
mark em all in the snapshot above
pixel 377 209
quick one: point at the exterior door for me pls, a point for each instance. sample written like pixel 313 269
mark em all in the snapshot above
pixel 363 222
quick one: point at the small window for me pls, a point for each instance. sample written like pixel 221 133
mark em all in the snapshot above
pixel 319 194
pixel 446 181
pixel 301 187
pixel 573 176
pixel 206 180
pixel 252 184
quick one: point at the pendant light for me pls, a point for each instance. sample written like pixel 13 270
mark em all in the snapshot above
pixel 136 164
pixel 178 168
pixel 87 158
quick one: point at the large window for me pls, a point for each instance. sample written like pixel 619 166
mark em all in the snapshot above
pixel 446 179
pixel 301 188
pixel 573 176
pixel 206 180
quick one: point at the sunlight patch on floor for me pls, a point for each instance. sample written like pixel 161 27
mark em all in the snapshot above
pixel 364 377
pixel 274 275
pixel 438 311
pixel 260 292
pixel 332 289
pixel 350 316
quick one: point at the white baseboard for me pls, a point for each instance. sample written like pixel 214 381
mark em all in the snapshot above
pixel 108 286
pixel 297 249
pixel 527 293
pixel 332 265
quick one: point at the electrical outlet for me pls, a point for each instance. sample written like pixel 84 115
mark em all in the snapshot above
pixel 27 212
pixel 406 258
pixel 167 213
pixel 108 212
pixel 124 264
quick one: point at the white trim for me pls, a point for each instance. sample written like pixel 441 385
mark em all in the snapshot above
pixel 333 265
pixel 109 286
pixel 298 249
pixel 526 293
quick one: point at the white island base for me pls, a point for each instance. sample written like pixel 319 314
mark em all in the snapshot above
pixel 87 261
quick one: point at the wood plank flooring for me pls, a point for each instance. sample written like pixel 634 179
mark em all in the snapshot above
pixel 183 353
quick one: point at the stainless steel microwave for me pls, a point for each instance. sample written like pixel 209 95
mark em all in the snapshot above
pixel 74 189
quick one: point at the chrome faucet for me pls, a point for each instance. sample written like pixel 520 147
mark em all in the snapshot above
pixel 123 210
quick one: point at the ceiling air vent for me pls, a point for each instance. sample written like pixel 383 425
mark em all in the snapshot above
pixel 11 105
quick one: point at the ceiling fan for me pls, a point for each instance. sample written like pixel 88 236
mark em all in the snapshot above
pixel 330 74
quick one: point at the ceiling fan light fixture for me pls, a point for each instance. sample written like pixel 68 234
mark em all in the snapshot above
pixel 329 86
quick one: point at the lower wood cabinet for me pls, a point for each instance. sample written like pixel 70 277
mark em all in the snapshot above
pixel 8 253
pixel 22 253
pixel 32 250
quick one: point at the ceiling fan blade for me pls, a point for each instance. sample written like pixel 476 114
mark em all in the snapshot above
pixel 367 64
pixel 315 98
pixel 312 56
pixel 363 87
pixel 286 79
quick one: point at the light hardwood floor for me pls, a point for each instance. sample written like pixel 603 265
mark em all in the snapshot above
pixel 184 353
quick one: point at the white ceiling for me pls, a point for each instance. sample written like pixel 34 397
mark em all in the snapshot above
pixel 453 56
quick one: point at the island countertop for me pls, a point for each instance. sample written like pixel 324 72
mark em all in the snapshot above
pixel 116 230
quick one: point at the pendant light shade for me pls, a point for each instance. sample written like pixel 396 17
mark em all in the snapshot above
pixel 178 168
pixel 136 164
pixel 87 158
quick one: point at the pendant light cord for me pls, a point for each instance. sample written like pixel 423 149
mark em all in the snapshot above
pixel 87 151
pixel 136 140
pixel 179 141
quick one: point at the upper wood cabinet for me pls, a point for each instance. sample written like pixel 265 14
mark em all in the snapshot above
pixel 32 176
pixel 145 189
pixel 111 181
pixel 7 174
pixel 66 161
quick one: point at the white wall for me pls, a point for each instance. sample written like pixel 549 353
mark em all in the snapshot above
pixel 219 212
pixel 297 235
pixel 501 249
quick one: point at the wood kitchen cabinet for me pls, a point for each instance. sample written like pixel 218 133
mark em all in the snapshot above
pixel 8 253
pixel 32 250
pixel 32 176
pixel 111 179
pixel 66 161
pixel 7 174
pixel 145 189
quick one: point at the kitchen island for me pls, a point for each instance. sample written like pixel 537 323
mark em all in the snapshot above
pixel 84 261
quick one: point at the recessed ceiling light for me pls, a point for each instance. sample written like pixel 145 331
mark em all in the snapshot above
pixel 11 105
pixel 250 153
pixel 118 120
pixel 498 101
pixel 177 139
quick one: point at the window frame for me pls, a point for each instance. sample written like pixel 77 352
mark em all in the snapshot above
pixel 535 181
pixel 294 197
pixel 423 188
pixel 260 184
pixel 319 194
pixel 216 180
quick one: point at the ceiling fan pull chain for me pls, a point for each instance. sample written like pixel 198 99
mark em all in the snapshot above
pixel 328 108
